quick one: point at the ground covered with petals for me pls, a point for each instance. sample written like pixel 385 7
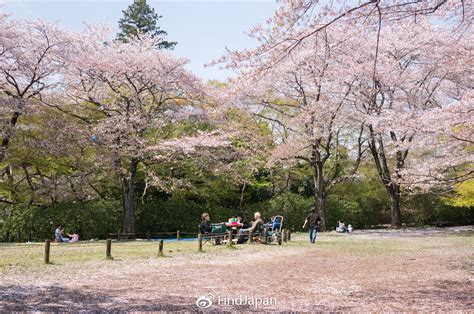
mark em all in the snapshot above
pixel 388 270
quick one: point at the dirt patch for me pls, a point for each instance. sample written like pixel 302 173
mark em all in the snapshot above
pixel 418 232
pixel 363 271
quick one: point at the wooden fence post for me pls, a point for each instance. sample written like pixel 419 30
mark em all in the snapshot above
pixel 178 235
pixel 47 246
pixel 118 235
pixel 200 242
pixel 289 235
pixel 108 250
pixel 265 235
pixel 160 252
pixel 285 235
pixel 230 236
pixel 148 235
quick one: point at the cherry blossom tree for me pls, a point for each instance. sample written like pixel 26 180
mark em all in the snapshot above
pixel 443 146
pixel 31 55
pixel 297 21
pixel 309 108
pixel 51 161
pixel 415 69
pixel 136 96
pixel 406 59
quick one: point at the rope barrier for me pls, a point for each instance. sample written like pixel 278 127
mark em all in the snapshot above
pixel 199 237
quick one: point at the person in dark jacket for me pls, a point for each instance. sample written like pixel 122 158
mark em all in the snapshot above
pixel 242 222
pixel 313 220
pixel 205 226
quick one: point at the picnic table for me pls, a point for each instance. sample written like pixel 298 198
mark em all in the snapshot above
pixel 232 225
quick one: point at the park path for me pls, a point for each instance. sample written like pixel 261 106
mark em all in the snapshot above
pixel 363 271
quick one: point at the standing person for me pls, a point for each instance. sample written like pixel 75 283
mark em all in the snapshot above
pixel 314 220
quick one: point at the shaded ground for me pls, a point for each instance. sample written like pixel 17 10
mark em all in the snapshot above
pixel 369 270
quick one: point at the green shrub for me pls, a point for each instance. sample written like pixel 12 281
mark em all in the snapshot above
pixel 93 219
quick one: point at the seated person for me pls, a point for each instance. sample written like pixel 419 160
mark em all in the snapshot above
pixel 270 223
pixel 74 237
pixel 58 235
pixel 273 223
pixel 256 225
pixel 342 227
pixel 205 226
pixel 242 222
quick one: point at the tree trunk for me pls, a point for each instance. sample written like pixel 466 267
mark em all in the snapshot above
pixel 8 135
pixel 319 195
pixel 395 206
pixel 127 183
pixel 242 196
pixel 322 212
pixel 381 163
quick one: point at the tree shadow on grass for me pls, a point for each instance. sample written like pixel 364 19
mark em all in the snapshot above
pixel 59 299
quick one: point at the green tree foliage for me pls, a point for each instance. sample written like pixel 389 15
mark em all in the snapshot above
pixel 463 195
pixel 140 18
pixel 55 180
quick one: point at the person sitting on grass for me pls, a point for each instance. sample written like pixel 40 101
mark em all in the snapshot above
pixel 58 235
pixel 256 225
pixel 205 226
pixel 341 227
pixel 74 237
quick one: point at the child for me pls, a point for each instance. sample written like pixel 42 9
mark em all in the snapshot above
pixel 74 237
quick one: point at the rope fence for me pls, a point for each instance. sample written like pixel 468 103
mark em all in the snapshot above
pixel 227 238
pixel 149 235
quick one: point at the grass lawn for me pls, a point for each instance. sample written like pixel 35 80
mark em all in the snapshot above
pixel 389 270
pixel 30 256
